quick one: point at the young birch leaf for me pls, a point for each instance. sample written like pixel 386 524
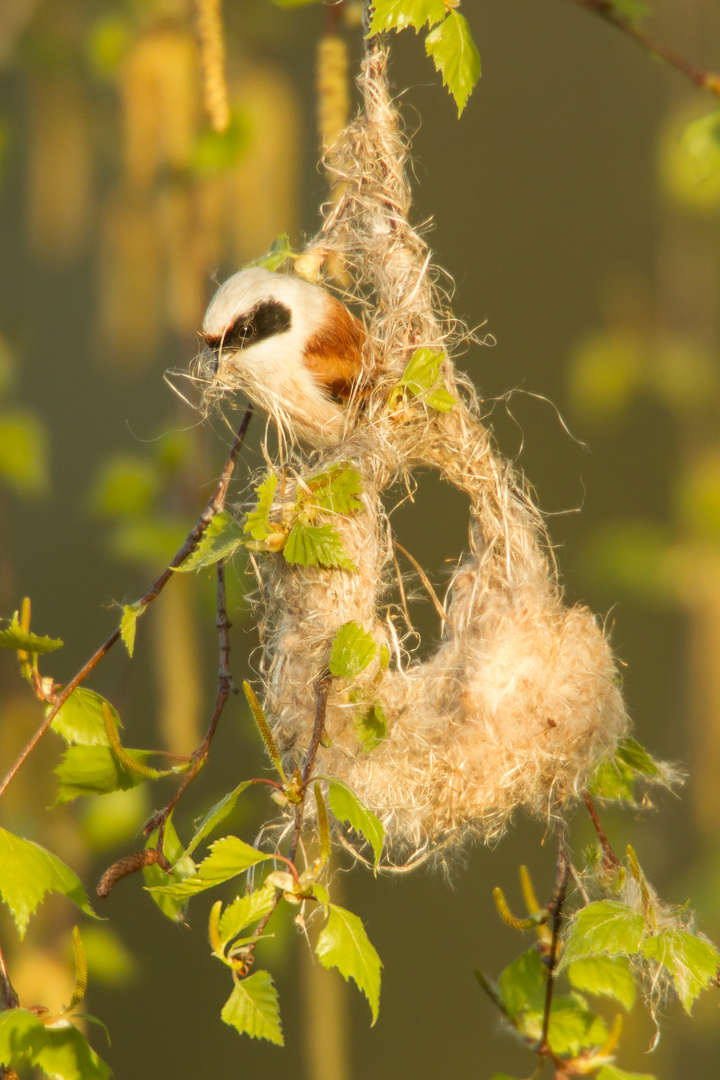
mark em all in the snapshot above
pixel 81 721
pixel 399 14
pixel 611 1072
pixel 370 727
pixel 423 376
pixel 522 984
pixel 352 650
pixel 335 491
pixel 604 976
pixel 455 56
pixel 95 770
pixel 280 249
pixel 228 857
pixel 60 1051
pixel 220 540
pixel 605 928
pixel 317 545
pixel 128 623
pixel 612 780
pixel 244 911
pixel 28 872
pixel 344 944
pixel 253 1009
pixel 215 815
pixel 692 961
pixel 573 1028
pixel 183 867
pixel 636 757
pixel 257 522
pixel 347 807
pixel 13 636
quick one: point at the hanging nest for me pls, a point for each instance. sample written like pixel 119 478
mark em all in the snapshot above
pixel 520 700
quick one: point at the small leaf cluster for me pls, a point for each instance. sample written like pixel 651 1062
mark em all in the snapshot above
pixel 616 779
pixel 448 43
pixel 353 650
pixel 422 380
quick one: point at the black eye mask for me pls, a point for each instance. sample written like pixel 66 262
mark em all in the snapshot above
pixel 266 319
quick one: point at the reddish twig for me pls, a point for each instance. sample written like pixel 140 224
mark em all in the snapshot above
pixel 214 506
pixel 610 859
pixel 606 9
pixel 555 906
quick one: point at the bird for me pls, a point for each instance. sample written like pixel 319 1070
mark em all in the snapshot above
pixel 290 346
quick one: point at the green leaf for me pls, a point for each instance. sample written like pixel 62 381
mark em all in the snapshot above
pixel 126 486
pixel 399 14
pixel 317 545
pixel 604 927
pixel 280 249
pixel 604 976
pixel 217 813
pixel 455 56
pixel 80 718
pixel 28 872
pixel 347 807
pixel 228 857
pixel 220 540
pixel 370 727
pixel 352 650
pixel 522 984
pixel 60 1051
pixel 253 1009
pixel 23 453
pixel 131 614
pixel 343 944
pixel 632 10
pixel 692 961
pixel 636 757
pixel 335 491
pixel 13 636
pixel 612 780
pixel 611 1072
pixel 423 371
pixel 573 1028
pixel 95 770
pixel 257 523
pixel 245 910
pixel 183 867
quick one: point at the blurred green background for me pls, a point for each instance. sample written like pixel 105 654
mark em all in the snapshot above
pixel 580 222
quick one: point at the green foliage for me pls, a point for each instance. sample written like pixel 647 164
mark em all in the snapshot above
pixel 455 55
pixel 604 976
pixel 335 491
pixel 80 719
pixel 370 726
pixel 691 961
pixel 183 867
pixel 221 539
pixel 449 43
pixel 215 815
pixel 228 857
pixel 317 545
pixel 13 636
pixel 352 650
pixel 128 624
pixel 343 944
pixel 23 453
pixel 257 522
pixel 616 779
pixel 28 872
pixel 252 1008
pixel 422 378
pixel 611 1072
pixel 280 249
pixel 95 770
pixel 347 807
pixel 60 1051
pixel 604 928
pixel 242 912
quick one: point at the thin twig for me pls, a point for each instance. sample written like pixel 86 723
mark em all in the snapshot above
pixel 214 506
pixel 8 997
pixel 556 905
pixel 610 859
pixel 608 10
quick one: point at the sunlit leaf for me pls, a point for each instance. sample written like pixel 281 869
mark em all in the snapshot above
pixel 183 867
pixel 605 976
pixel 455 55
pixel 28 872
pixel 221 539
pixel 335 491
pixel 80 718
pixel 228 857
pixel 257 522
pixel 128 623
pixel 95 770
pixel 280 249
pixel 317 545
pixel 60 1051
pixel 253 1009
pixel 604 928
pixel 692 961
pixel 399 14
pixel 343 944
pixel 522 984
pixel 352 650
pixel 611 1072
pixel 244 911
pixel 347 807
pixel 13 636
pixel 370 726
pixel 215 815
pixel 573 1028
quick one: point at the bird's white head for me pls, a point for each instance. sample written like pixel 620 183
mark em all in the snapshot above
pixel 290 346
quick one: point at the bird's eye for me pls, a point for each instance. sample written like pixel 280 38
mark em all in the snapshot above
pixel 239 334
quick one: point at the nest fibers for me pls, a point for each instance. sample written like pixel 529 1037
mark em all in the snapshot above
pixel 520 701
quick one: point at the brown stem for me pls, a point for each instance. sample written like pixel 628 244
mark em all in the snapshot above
pixel 610 859
pixel 214 506
pixel 555 906
pixel 606 9
pixel 8 997
pixel 225 688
